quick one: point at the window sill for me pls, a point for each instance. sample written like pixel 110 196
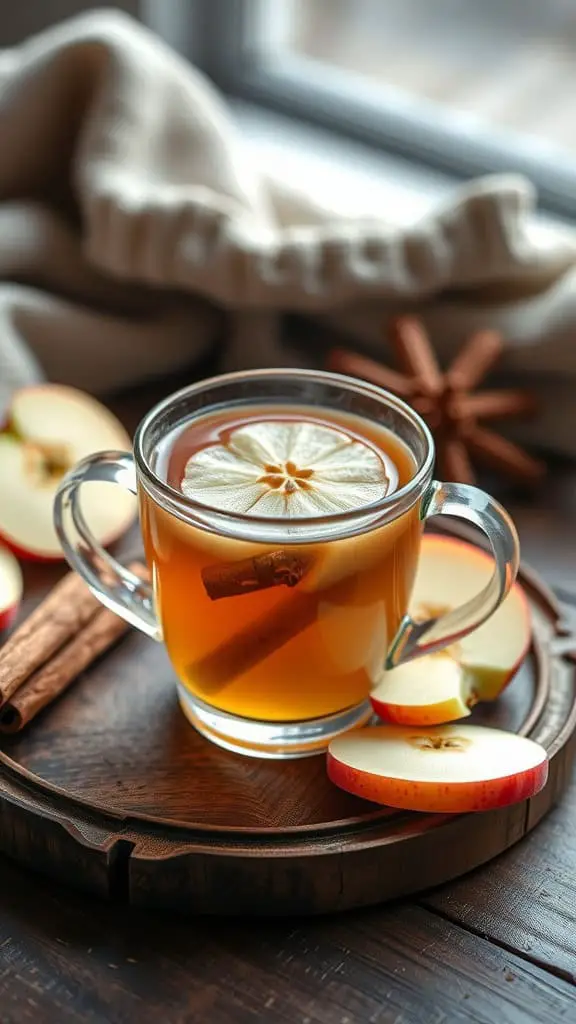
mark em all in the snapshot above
pixel 337 173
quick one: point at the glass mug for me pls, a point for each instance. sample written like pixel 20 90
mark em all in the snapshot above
pixel 263 668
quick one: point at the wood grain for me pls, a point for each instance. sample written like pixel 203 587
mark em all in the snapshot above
pixel 66 962
pixel 527 900
pixel 112 790
pixel 120 742
pixel 66 959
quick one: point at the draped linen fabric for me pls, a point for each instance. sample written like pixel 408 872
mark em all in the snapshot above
pixel 137 231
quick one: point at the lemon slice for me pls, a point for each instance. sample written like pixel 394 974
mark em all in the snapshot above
pixel 288 470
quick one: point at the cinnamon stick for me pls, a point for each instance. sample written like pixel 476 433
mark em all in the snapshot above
pixel 491 405
pixel 54 677
pixel 499 453
pixel 273 569
pixel 454 461
pixel 68 607
pixel 259 640
pixel 57 641
pixel 472 363
pixel 416 354
pixel 354 365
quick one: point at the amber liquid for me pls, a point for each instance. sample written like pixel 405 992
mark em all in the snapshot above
pixel 281 653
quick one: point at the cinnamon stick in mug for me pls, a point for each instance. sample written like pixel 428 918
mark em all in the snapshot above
pixel 259 640
pixel 273 569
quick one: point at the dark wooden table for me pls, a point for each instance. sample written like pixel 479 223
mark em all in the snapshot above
pixel 497 946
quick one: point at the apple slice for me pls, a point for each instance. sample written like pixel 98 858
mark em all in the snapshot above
pixel 11 588
pixel 444 769
pixel 50 428
pixel 443 687
pixel 430 691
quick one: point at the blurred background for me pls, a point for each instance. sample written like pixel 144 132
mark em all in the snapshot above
pixel 456 85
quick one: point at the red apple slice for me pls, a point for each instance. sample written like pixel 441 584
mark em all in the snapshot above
pixel 444 769
pixel 50 428
pixel 11 588
pixel 443 687
pixel 429 691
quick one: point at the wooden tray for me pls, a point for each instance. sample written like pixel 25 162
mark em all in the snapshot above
pixel 111 790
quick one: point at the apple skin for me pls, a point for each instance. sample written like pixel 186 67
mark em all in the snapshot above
pixel 456 798
pixel 9 611
pixel 28 556
pixel 45 559
pixel 24 555
pixel 486 689
pixel 8 616
pixel 420 714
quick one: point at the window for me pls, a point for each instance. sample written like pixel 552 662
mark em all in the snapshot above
pixel 467 86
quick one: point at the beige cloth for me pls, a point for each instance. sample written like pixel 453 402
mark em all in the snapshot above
pixel 135 228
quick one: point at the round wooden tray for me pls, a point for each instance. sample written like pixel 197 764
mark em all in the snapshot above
pixel 112 790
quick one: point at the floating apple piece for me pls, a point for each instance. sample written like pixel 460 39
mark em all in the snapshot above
pixel 444 769
pixel 443 687
pixel 10 588
pixel 49 429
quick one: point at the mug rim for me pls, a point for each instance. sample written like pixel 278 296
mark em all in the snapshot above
pixel 412 489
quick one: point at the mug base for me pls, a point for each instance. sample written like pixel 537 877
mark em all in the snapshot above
pixel 277 740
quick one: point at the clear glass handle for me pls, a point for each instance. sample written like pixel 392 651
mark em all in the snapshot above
pixel 114 585
pixel 417 638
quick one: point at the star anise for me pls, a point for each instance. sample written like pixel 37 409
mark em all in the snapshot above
pixel 448 401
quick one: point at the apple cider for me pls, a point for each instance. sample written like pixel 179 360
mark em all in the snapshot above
pixel 288 631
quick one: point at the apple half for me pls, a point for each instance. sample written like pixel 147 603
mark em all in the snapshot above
pixel 445 769
pixel 11 587
pixel 443 687
pixel 49 429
